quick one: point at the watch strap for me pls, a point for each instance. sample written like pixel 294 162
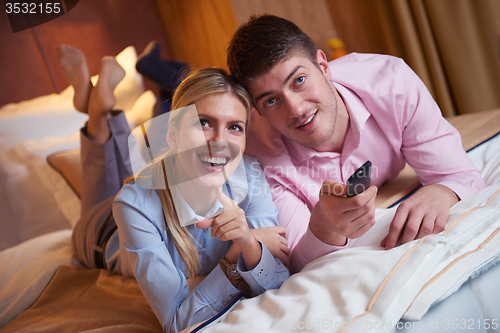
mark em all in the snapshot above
pixel 231 269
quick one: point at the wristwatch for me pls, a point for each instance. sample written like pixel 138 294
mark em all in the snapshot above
pixel 231 270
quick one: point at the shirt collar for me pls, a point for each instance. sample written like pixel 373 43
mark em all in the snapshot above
pixel 357 118
pixel 357 121
pixel 237 184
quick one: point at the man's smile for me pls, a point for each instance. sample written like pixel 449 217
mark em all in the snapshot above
pixel 308 123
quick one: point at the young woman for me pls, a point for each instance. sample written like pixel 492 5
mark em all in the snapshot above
pixel 151 244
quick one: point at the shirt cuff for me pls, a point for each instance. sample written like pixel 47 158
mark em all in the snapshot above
pixel 463 191
pixel 310 248
pixel 217 290
pixel 261 277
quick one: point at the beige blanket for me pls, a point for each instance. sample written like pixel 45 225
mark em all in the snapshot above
pixel 83 300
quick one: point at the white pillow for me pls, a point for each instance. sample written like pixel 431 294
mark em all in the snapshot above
pixel 34 198
pixel 30 188
pixel 142 110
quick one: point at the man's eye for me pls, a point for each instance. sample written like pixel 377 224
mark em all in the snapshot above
pixel 270 102
pixel 300 80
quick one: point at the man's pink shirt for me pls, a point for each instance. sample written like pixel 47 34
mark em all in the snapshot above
pixel 393 120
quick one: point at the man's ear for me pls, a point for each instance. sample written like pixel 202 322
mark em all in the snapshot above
pixel 172 137
pixel 323 63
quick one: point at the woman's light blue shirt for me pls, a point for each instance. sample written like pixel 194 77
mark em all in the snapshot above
pixel 146 251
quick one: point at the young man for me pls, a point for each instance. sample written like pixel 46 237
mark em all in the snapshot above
pixel 316 122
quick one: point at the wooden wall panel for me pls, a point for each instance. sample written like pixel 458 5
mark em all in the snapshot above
pixel 359 25
pixel 198 30
pixel 313 17
pixel 23 73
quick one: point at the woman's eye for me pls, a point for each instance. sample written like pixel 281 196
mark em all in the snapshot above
pixel 204 123
pixel 236 128
pixel 300 80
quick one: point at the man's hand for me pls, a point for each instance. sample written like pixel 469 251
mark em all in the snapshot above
pixel 337 217
pixel 274 240
pixel 422 214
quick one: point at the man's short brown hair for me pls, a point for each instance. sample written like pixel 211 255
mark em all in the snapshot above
pixel 262 42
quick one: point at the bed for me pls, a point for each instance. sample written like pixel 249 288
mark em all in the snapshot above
pixel 362 289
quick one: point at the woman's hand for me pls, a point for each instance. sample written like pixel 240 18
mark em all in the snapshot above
pixel 231 225
pixel 274 240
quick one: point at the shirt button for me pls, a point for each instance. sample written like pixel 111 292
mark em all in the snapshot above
pixel 260 272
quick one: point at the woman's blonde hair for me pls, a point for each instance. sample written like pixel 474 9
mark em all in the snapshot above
pixel 198 84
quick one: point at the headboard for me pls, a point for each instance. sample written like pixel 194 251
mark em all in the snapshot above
pixel 98 27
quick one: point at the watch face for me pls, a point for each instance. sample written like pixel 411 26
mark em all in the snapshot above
pixel 233 272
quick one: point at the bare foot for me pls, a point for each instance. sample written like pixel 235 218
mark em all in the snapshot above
pixel 102 100
pixel 74 66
